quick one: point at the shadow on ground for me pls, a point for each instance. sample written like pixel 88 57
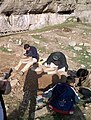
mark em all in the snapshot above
pixel 78 115
pixel 28 104
pixel 25 110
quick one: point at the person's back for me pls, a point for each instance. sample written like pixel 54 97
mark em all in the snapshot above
pixel 59 59
pixel 30 57
pixel 63 99
pixel 32 52
pixel 82 74
pixel 83 78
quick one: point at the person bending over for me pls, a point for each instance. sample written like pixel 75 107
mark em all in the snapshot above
pixel 64 97
pixel 83 84
pixel 57 60
pixel 31 56
pixel 82 75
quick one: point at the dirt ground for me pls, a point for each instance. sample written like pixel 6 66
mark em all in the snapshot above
pixel 46 41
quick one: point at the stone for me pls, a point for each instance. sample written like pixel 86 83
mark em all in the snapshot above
pixel 4 25
pixel 81 44
pixel 41 112
pixel 86 56
pixel 37 42
pixel 20 42
pixel 74 55
pixel 84 33
pixel 87 44
pixel 10 50
pixel 86 108
pixel 14 82
pixel 89 51
pixel 83 66
pixel 72 43
pixel 77 48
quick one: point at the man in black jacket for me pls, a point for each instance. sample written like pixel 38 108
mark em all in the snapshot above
pixel 57 60
pixel 30 57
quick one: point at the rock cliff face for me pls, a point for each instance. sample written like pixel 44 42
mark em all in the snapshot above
pixel 18 15
pixel 36 6
pixel 83 10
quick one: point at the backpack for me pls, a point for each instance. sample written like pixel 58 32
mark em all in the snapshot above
pixel 63 99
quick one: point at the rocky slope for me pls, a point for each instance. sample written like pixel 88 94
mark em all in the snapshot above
pixel 19 15
pixel 73 39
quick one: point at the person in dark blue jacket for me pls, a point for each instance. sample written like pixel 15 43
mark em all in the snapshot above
pixel 31 56
pixel 64 97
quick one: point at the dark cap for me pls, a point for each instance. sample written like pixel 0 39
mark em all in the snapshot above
pixel 55 57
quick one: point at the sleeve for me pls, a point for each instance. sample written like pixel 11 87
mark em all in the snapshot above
pixel 76 98
pixel 58 89
pixel 49 59
pixel 34 53
pixel 28 54
pixel 48 93
pixel 62 62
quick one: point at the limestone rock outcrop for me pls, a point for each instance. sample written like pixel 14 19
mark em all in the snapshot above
pixel 36 6
pixel 18 15
pixel 83 10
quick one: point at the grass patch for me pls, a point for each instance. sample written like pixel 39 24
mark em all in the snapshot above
pixel 3 49
pixel 39 37
pixel 40 48
pixel 78 115
pixel 70 22
pixel 54 117
pixel 82 56
pixel 67 23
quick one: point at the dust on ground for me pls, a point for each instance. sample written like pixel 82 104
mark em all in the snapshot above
pixel 66 39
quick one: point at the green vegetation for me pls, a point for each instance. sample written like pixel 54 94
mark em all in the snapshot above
pixel 39 37
pixel 82 56
pixel 55 116
pixel 3 49
pixel 68 23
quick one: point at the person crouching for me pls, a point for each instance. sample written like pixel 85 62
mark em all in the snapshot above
pixel 64 97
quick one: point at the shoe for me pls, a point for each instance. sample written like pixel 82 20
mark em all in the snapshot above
pixel 21 73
